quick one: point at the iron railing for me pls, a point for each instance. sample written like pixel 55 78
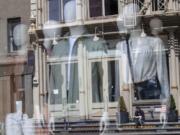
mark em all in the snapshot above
pixel 156 6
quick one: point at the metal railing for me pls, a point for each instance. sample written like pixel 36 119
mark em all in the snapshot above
pixel 160 6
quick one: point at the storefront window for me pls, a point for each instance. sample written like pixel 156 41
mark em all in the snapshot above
pixel 108 66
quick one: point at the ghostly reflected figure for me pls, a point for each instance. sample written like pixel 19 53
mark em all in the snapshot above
pixel 163 115
pixel 19 123
pixel 104 122
pixel 20 38
pixel 143 58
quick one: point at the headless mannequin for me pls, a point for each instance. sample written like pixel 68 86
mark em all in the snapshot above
pixel 147 56
pixel 19 123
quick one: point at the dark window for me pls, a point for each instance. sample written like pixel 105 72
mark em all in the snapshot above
pixel 111 7
pixel 96 7
pixel 113 80
pixel 12 23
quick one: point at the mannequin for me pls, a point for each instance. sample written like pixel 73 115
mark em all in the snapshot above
pixel 19 123
pixel 156 26
pixel 146 61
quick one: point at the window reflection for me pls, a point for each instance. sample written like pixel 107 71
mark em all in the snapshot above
pixel 95 7
pixel 97 82
pixel 111 7
pixel 103 7
pixel 56 80
pixel 73 82
pixel 113 80
pixel 12 23
pixel 158 5
pixel 56 9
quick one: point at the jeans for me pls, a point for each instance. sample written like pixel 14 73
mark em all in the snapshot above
pixel 149 89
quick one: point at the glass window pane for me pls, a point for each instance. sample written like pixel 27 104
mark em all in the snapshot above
pixel 72 82
pixel 113 80
pixel 56 80
pixel 111 7
pixel 97 82
pixel 95 7
pixel 54 10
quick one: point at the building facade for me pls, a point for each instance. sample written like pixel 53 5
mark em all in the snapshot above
pixel 78 65
pixel 14 69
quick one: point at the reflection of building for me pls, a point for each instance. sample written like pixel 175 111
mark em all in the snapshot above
pixel 14 72
pixel 97 74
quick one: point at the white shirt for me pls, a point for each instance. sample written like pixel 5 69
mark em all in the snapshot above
pixel 148 60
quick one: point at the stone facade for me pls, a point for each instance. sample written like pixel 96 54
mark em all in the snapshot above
pixel 166 13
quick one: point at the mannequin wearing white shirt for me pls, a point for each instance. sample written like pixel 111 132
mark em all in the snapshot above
pixel 147 55
pixel 19 123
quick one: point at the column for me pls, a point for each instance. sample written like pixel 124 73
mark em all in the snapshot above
pixel 82 92
pixel 36 81
pixel 41 88
pixel 173 68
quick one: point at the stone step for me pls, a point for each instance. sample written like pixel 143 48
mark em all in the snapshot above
pixel 129 128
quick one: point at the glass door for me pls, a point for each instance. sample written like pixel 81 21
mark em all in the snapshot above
pixel 72 89
pixel 56 83
pixel 103 86
pixel 64 89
